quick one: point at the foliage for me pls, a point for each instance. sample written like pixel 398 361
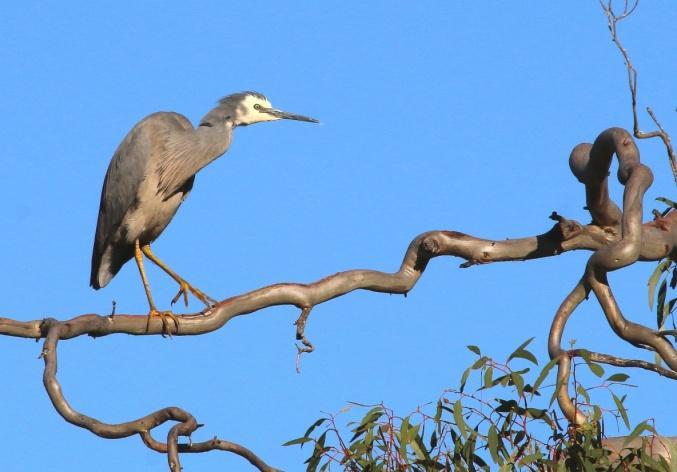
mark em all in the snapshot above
pixel 505 420
pixel 658 285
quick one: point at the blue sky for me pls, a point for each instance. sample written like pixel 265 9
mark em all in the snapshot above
pixel 435 115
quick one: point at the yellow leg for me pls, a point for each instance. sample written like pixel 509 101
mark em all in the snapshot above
pixel 163 315
pixel 184 287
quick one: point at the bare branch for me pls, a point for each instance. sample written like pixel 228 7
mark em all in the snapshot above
pixel 214 444
pixel 562 237
pixel 620 362
pixel 185 426
pixel 613 19
pixel 301 336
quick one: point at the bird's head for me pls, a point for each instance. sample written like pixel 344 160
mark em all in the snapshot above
pixel 246 108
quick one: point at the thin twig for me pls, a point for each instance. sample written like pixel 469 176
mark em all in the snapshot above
pixel 613 19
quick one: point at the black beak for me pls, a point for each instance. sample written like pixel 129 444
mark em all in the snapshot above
pixel 283 115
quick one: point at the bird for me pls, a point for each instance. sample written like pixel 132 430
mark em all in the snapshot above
pixel 150 175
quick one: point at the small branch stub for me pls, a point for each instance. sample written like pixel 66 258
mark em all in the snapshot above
pixel 300 336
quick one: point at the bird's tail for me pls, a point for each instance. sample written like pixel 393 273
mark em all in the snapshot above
pixel 107 263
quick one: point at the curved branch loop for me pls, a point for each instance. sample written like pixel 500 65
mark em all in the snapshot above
pixel 185 426
pixel 590 164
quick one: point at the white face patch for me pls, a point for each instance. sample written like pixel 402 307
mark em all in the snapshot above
pixel 247 111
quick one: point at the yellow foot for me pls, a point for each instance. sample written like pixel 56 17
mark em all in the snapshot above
pixel 163 315
pixel 185 287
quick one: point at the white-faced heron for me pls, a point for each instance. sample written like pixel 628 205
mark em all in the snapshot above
pixel 151 174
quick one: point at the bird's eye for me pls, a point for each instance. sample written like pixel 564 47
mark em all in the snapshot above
pixel 257 106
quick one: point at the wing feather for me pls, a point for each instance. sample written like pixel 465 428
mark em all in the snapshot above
pixel 174 166
pixel 185 153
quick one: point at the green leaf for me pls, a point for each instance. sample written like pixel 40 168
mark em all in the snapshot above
pixel 621 409
pixel 488 376
pixel 503 380
pixel 313 426
pixel 594 368
pixel 474 349
pixel 368 421
pixel 464 378
pixel 597 413
pixel 433 440
pixel 639 429
pixel 660 306
pixel 371 416
pixel 538 413
pixel 479 363
pixel 458 418
pixel 523 353
pixel 298 441
pixel 492 444
pixel 518 382
pixel 419 448
pixel 618 378
pixel 506 406
pixel 558 386
pixel 667 201
pixel 544 373
pixel 655 276
pixel 404 438
pixel 438 413
pixel 528 459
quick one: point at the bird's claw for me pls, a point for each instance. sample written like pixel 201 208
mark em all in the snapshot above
pixel 163 315
pixel 185 287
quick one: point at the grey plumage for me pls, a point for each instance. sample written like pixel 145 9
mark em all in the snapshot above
pixel 153 170
pixel 139 159
pixel 238 96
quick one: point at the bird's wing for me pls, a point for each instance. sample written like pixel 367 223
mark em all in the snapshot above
pixel 185 153
pixel 124 175
pixel 175 165
pixel 129 166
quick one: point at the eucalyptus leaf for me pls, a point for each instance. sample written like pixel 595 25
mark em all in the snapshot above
pixel 653 279
pixel 474 349
pixel 621 410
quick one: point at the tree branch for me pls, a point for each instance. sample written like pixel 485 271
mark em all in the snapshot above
pixel 185 426
pixel 613 19
pixel 617 239
pixel 620 362
pixel 590 163
pixel 564 236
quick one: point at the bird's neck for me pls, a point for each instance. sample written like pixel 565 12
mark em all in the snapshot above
pixel 218 115
pixel 213 137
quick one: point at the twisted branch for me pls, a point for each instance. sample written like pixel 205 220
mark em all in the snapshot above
pixel 590 164
pixel 617 239
pixel 560 238
pixel 185 426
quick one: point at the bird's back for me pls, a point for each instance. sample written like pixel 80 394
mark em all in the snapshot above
pixel 135 160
